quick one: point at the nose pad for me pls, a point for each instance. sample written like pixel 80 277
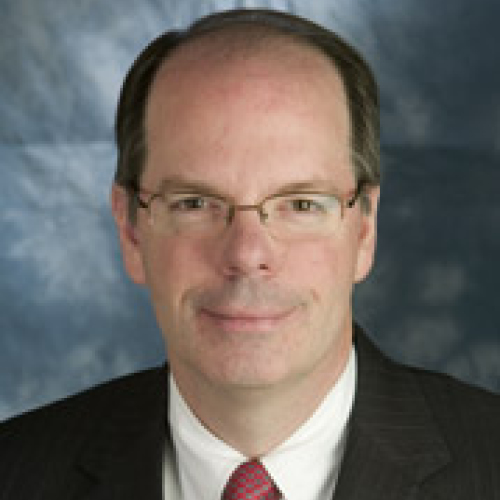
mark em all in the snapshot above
pixel 263 216
pixel 247 246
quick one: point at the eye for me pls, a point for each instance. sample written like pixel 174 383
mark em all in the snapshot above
pixel 193 203
pixel 304 204
pixel 187 203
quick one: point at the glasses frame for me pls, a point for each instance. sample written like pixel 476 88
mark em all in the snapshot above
pixel 347 200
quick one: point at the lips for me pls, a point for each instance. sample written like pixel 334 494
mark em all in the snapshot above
pixel 245 321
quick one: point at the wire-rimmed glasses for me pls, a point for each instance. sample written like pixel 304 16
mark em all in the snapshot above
pixel 285 214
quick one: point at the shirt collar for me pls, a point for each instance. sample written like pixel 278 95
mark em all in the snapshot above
pixel 205 462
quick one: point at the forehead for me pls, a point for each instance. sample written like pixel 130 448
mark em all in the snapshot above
pixel 216 89
pixel 226 60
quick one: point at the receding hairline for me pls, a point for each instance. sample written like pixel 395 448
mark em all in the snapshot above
pixel 244 40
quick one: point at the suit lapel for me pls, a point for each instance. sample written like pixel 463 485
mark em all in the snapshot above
pixel 393 442
pixel 124 459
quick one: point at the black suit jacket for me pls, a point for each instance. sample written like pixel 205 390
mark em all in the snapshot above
pixel 413 435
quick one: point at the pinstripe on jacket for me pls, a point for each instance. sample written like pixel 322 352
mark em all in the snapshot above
pixel 413 435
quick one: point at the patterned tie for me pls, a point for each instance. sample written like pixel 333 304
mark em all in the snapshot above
pixel 250 481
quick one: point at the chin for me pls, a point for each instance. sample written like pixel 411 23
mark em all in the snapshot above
pixel 250 370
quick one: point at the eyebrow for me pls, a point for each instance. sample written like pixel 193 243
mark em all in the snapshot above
pixel 305 186
pixel 179 184
pixel 182 185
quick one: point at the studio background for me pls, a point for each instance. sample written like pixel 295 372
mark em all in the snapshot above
pixel 69 317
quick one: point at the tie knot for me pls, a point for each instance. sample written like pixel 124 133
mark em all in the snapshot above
pixel 250 481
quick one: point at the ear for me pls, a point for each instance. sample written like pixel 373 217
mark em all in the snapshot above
pixel 128 234
pixel 367 236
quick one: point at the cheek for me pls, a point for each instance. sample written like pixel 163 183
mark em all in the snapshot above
pixel 326 270
pixel 325 274
pixel 172 267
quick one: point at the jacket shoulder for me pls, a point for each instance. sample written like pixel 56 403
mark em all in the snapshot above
pixel 85 403
pixel 461 407
pixel 468 418
pixel 450 400
pixel 445 432
pixel 48 438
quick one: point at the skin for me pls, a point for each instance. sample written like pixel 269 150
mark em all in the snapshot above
pixel 257 328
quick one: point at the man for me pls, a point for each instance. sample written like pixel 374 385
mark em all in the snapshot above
pixel 245 200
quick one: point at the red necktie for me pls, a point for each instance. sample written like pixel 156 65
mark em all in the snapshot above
pixel 250 481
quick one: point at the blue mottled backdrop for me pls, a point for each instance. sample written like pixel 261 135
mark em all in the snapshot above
pixel 70 318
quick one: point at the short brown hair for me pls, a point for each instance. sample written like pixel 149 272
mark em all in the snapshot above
pixel 359 83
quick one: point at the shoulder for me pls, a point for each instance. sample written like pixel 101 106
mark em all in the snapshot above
pixel 44 452
pixel 467 416
pixel 88 400
pixel 431 422
pixel 461 409
pixel 447 397
pixel 468 419
pixel 465 413
pixel 69 422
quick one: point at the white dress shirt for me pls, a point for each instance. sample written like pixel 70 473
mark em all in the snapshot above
pixel 304 467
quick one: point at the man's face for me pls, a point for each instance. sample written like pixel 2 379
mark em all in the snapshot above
pixel 242 308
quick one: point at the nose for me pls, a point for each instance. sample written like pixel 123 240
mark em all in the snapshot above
pixel 247 247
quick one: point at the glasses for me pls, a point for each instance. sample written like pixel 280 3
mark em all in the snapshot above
pixel 286 215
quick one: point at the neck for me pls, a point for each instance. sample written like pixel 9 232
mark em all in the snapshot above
pixel 256 419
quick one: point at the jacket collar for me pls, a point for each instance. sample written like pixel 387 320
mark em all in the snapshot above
pixel 394 442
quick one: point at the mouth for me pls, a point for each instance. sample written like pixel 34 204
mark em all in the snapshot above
pixel 245 321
